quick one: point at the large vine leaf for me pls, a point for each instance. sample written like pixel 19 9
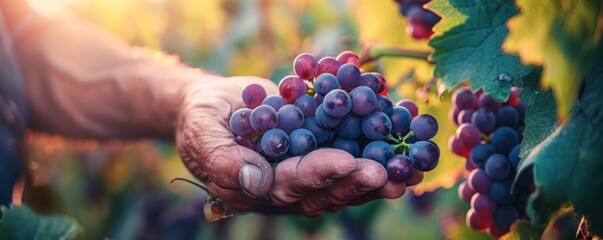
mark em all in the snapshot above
pixel 21 222
pixel 468 45
pixel 567 163
pixel 560 35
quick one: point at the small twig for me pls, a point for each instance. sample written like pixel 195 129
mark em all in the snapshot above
pixel 372 53
pixel 191 182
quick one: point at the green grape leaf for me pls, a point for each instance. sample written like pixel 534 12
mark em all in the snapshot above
pixel 561 36
pixel 21 222
pixel 567 163
pixel 468 43
pixel 540 113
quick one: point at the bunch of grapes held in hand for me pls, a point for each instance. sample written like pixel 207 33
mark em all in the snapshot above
pixel 489 136
pixel 332 103
pixel 420 20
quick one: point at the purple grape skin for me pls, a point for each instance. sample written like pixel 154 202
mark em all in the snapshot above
pixel 263 118
pixel 400 121
pixel 507 117
pixel 376 126
pixel 483 204
pixel 253 95
pixel 337 103
pixel 289 118
pixel 464 99
pixel 480 154
pixel 363 100
pixel 486 101
pixel 349 145
pixel 350 126
pixel 424 126
pixel 521 111
pixel 371 81
pixel 379 151
pixel 410 106
pixel 319 132
pixel 484 120
pixel 464 116
pixel 275 101
pixel 465 192
pixel 479 181
pixel 275 142
pixel 348 57
pixel 326 82
pixel 504 217
pixel 424 155
pixel 305 66
pixel 246 142
pixel 501 192
pixel 324 119
pixel 348 75
pixel 307 104
pixel 399 168
pixel 291 87
pixel 301 142
pixel 240 123
pixel 384 104
pixel 504 139
pixel 328 65
pixel 498 167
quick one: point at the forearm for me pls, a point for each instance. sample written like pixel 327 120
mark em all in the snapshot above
pixel 84 83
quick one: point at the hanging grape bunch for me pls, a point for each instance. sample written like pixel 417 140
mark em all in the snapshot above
pixel 420 21
pixel 330 103
pixel 489 136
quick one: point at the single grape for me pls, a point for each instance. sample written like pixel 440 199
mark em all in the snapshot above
pixel 478 222
pixel 350 126
pixel 307 104
pixel 325 83
pixel 464 99
pixel 500 192
pixel 337 103
pixel 514 97
pixel 325 120
pixel 290 118
pixel 399 168
pixel 410 106
pixel 521 111
pixel 384 104
pixel 424 126
pixel 319 132
pixel 457 147
pixel 469 166
pixel 363 100
pixel 379 151
pixel 469 135
pixel 275 142
pixel 424 155
pixel 302 141
pixel 328 65
pixel 504 139
pixel 348 57
pixel 416 178
pixel 507 116
pixel 479 181
pixel 419 31
pixel 400 121
pixel 383 90
pixel 514 156
pixel 349 145
pixel 483 205
pixel 376 126
pixel 263 118
pixel 464 116
pixel 292 87
pixel 253 95
pixel 465 192
pixel 370 80
pixel 275 101
pixel 486 101
pixel 480 154
pixel 348 76
pixel 453 114
pixel 319 98
pixel 504 217
pixel 484 120
pixel 240 123
pixel 305 66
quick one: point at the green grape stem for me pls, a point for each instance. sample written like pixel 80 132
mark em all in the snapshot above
pixel 375 52
pixel 401 146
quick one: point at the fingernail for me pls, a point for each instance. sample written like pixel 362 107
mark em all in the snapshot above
pixel 251 180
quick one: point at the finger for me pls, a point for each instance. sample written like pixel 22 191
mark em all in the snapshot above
pixel 368 176
pixel 235 200
pixel 415 178
pixel 391 190
pixel 295 177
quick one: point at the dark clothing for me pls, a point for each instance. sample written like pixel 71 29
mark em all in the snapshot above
pixel 12 115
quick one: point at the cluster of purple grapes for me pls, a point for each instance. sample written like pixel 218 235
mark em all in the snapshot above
pixel 489 136
pixel 420 20
pixel 331 103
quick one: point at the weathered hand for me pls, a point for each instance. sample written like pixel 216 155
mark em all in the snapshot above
pixel 324 180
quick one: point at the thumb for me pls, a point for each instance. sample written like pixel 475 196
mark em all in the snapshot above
pixel 256 175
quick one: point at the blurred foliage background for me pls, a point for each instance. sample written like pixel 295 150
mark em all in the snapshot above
pixel 121 190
